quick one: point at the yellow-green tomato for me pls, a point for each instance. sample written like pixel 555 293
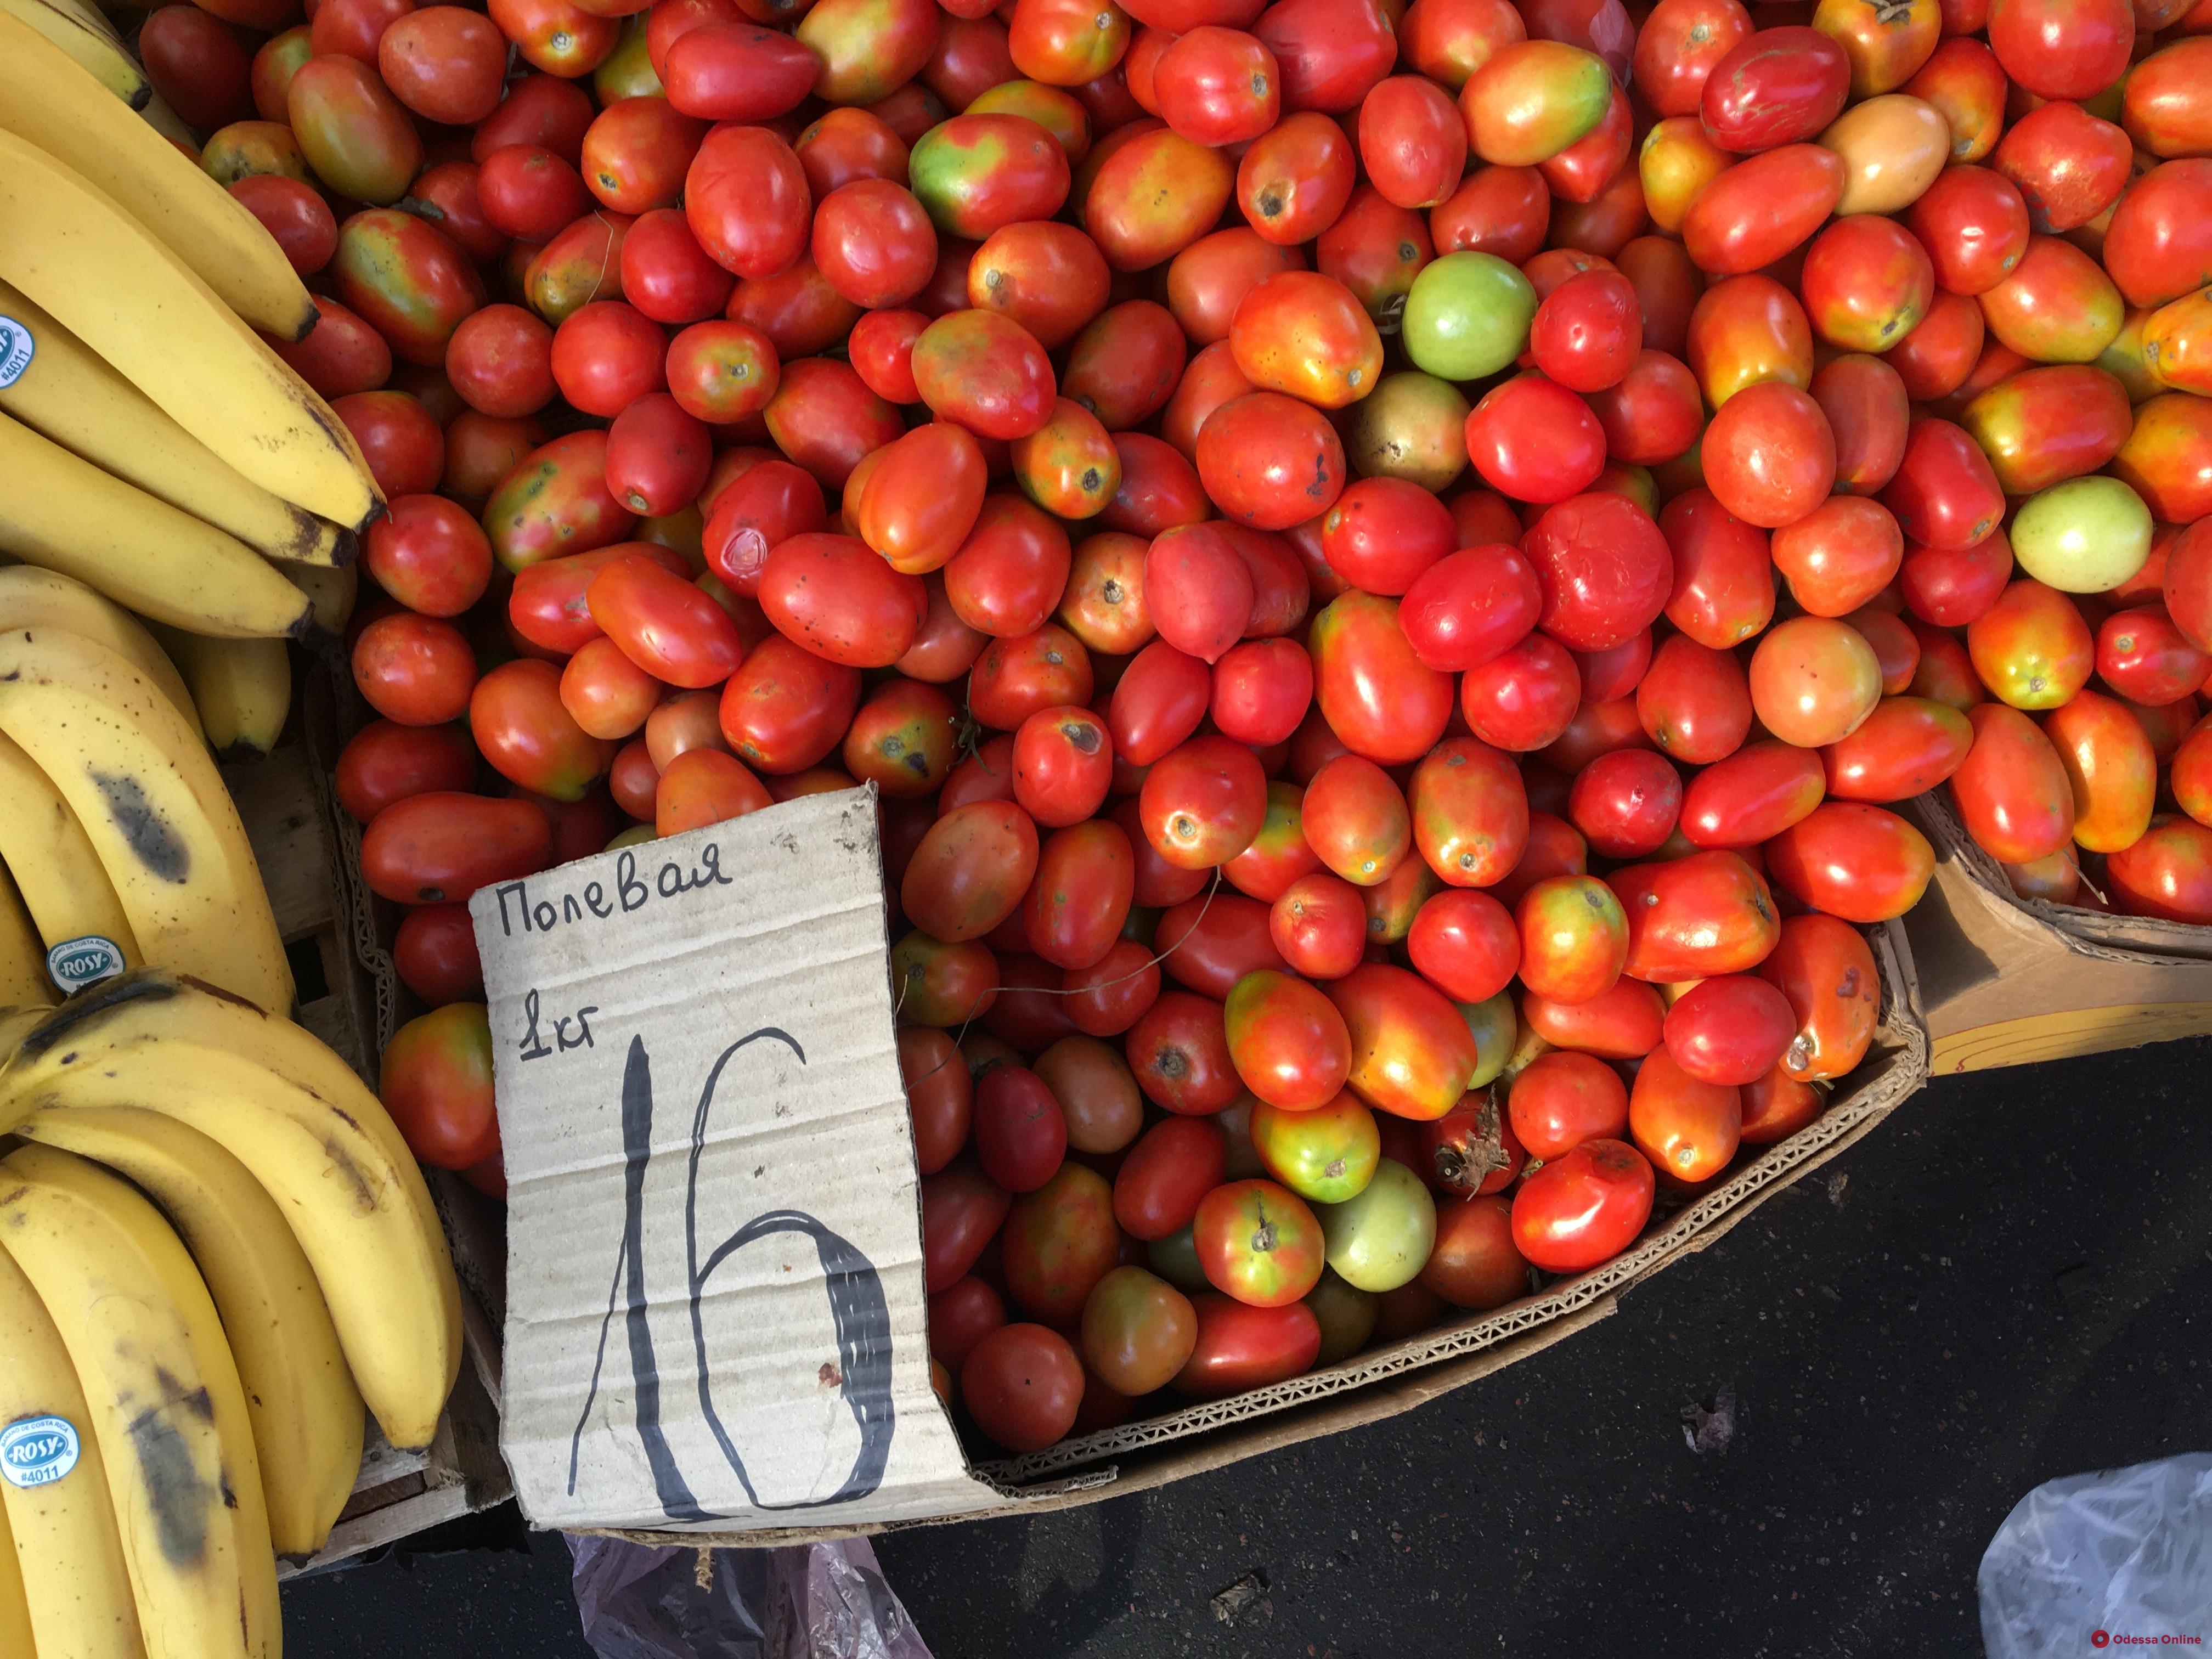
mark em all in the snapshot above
pixel 1327 1154
pixel 1382 1238
pixel 2084 535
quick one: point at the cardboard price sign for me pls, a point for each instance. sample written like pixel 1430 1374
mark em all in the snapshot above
pixel 715 1311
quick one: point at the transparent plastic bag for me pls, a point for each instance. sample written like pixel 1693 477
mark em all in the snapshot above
pixel 807 1601
pixel 2120 1558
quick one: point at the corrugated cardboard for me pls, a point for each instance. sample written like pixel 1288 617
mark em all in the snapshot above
pixel 309 853
pixel 2005 981
pixel 714 1303
pixel 796 944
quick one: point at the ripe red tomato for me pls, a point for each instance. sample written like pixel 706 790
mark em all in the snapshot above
pixel 1023 1384
pixel 1826 971
pixel 971 870
pixel 1465 943
pixel 442 844
pixel 1085 878
pixel 415 670
pixel 1021 1135
pixel 1583 1207
pixel 436 1084
pixel 1729 1030
pixel 1203 803
pixel 1287 1041
pixel 668 626
pixel 940 1095
pixel 1561 1099
pixel 435 951
pixel 1603 568
pixel 1319 924
pixel 1239 1347
pixel 1533 439
pixel 1412 1053
pixel 1474 1263
pixel 961 1211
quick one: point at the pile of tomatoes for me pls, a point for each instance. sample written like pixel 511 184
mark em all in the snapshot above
pixel 1389 564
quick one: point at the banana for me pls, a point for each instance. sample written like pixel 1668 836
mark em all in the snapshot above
pixel 308 1415
pixel 16 1633
pixel 48 100
pixel 91 15
pixel 110 280
pixel 293 1113
pixel 68 515
pixel 97 54
pixel 150 799
pixel 24 982
pixel 157 114
pixel 67 392
pixel 331 592
pixel 76 1587
pixel 33 598
pixel 241 688
pixel 166 1404
pixel 70 899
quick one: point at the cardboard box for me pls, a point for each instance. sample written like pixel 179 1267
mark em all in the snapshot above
pixel 310 857
pixel 715 1324
pixel 2005 981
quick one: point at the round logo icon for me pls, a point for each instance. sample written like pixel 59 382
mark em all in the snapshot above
pixel 2099 1638
pixel 85 960
pixel 16 351
pixel 37 1452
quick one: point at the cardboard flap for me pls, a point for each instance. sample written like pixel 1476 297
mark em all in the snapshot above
pixel 715 1311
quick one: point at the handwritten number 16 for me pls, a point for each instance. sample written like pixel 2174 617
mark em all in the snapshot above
pixel 858 1309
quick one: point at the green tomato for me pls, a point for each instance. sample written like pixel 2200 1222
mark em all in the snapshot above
pixel 1346 1317
pixel 1497 1027
pixel 1467 316
pixel 1174 1259
pixel 1328 1155
pixel 2085 536
pixel 1382 1238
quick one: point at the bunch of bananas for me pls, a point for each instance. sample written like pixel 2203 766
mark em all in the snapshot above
pixel 214 1248
pixel 118 838
pixel 153 447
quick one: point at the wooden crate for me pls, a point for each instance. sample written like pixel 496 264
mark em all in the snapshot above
pixel 309 854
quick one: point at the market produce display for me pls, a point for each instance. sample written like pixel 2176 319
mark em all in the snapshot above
pixel 1390 565
pixel 218 1257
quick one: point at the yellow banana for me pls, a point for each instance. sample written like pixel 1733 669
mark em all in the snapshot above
pixel 308 1415
pixel 331 592
pixel 49 101
pixel 16 1633
pixel 69 393
pixel 150 797
pixel 97 53
pixel 33 598
pixel 24 982
pixel 64 887
pixel 66 515
pixel 76 1585
pixel 166 1405
pixel 313 1135
pixel 89 15
pixel 157 114
pixel 241 688
pixel 110 280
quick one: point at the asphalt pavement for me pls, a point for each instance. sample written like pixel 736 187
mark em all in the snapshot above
pixel 1798 1442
